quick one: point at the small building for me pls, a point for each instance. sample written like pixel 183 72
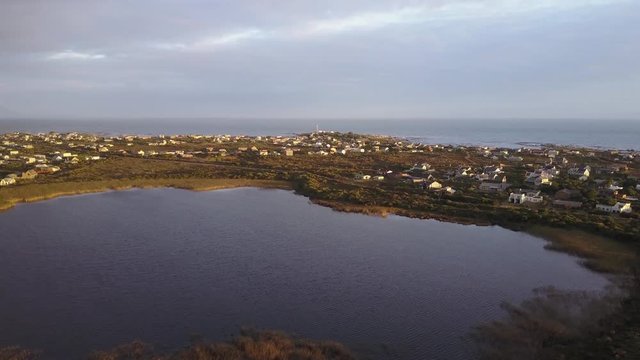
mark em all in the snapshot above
pixel 581 171
pixel 494 186
pixel 7 181
pixel 496 169
pixel 434 186
pixel 413 179
pixel 449 190
pixel 542 180
pixel 421 167
pixel 288 152
pixel 523 196
pixel 29 174
pixel 618 208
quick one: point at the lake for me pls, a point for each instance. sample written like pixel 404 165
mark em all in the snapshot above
pixel 93 271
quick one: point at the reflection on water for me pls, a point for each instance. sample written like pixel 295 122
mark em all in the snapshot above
pixel 90 272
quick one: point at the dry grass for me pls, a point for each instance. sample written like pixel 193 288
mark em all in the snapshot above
pixel 17 353
pixel 249 345
pixel 599 253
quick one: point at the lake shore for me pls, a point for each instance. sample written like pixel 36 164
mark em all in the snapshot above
pixel 597 253
pixel 38 192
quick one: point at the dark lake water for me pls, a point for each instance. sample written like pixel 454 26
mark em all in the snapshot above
pixel 90 272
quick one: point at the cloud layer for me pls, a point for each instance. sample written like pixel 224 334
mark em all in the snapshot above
pixel 362 58
pixel 74 55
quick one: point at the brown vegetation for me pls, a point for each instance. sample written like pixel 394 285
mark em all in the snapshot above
pixel 565 325
pixel 249 345
pixel 18 353
pixel 37 192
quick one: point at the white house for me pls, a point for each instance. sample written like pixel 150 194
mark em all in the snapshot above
pixel 434 186
pixel 617 208
pixel 7 181
pixel 422 167
pixel 521 197
pixel 464 171
pixel 582 171
pixel 614 187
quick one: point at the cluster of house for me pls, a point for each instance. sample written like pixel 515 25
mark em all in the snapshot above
pixel 39 169
pixel 316 143
pixel 419 174
pixel 492 179
pixel 18 149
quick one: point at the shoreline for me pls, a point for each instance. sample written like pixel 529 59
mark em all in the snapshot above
pixel 597 253
pixel 104 186
pixel 60 125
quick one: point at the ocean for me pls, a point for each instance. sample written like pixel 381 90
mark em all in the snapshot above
pixel 609 134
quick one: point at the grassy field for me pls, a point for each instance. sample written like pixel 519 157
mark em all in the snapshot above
pixel 598 252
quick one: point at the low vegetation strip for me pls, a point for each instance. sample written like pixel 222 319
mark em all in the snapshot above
pixel 37 192
pixel 248 345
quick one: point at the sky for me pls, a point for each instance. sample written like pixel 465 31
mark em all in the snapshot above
pixel 320 59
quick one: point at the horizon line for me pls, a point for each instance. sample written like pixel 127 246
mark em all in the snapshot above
pixel 289 118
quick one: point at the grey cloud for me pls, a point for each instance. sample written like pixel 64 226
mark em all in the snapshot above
pixel 320 59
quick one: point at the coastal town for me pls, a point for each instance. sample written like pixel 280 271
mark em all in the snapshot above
pixel 563 186
pixel 574 179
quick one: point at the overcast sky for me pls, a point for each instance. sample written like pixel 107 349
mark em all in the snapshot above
pixel 320 59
